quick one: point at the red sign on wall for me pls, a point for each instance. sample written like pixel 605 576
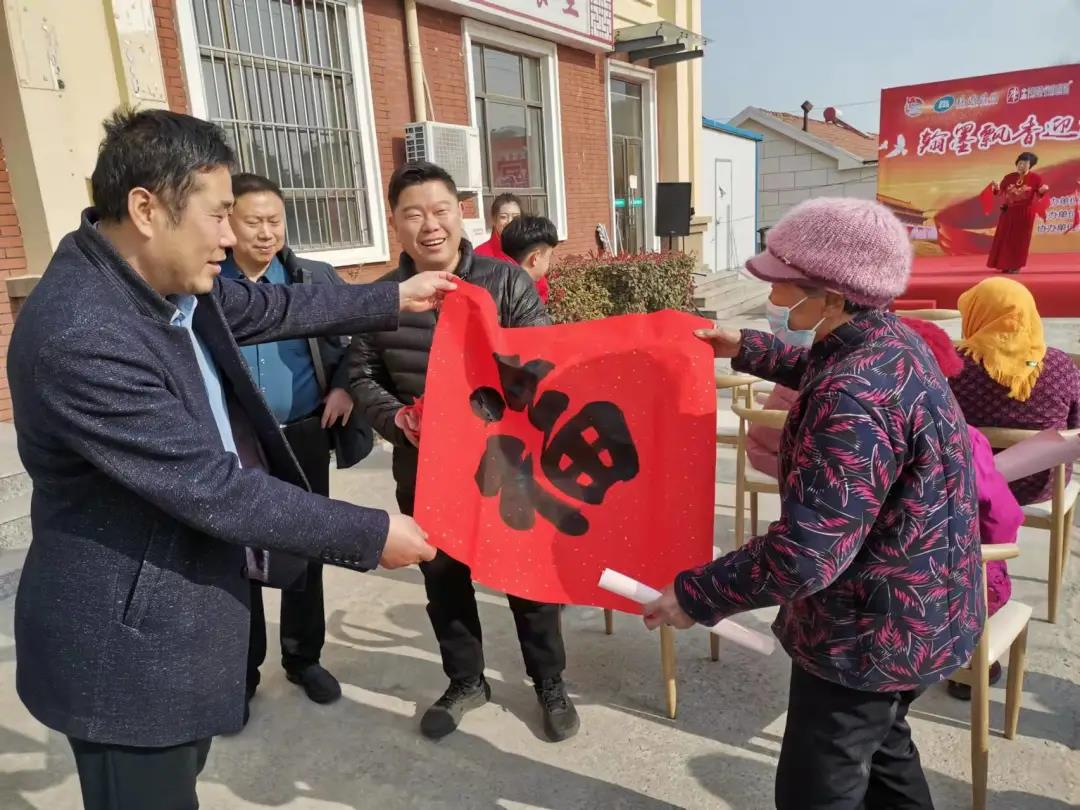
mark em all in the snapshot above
pixel 583 23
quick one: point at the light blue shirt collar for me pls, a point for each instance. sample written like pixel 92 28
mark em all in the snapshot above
pixel 185 309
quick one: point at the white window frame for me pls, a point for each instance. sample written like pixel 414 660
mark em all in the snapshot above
pixel 647 79
pixel 379 249
pixel 548 54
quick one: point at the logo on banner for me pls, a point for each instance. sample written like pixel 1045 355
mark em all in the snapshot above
pixel 966 102
pixel 943 104
pixel 913 107
pixel 1018 94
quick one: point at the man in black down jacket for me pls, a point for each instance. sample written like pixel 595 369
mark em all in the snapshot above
pixel 155 461
pixel 388 371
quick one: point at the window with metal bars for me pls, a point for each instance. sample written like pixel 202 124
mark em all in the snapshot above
pixel 278 77
pixel 510 118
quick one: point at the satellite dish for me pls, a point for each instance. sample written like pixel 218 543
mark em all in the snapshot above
pixel 831 114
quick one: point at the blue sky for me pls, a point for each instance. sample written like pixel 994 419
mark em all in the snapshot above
pixel 776 53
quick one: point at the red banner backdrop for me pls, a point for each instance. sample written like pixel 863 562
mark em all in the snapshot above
pixel 548 454
pixel 943 143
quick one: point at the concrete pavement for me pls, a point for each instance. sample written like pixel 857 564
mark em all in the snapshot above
pixel 365 751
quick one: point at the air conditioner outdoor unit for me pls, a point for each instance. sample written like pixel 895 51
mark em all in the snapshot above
pixel 456 148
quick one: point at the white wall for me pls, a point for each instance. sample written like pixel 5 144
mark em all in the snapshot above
pixel 791 172
pixel 737 204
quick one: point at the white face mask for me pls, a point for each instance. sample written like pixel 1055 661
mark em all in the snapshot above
pixel 779 319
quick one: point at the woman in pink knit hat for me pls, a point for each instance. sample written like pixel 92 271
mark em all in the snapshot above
pixel 874 560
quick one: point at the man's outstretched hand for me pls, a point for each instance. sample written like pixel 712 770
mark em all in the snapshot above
pixel 425 291
pixel 406 544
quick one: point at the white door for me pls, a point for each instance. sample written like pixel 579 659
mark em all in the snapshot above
pixel 724 257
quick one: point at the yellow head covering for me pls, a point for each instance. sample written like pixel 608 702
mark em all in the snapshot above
pixel 1003 332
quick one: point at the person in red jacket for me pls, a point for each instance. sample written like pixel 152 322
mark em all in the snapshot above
pixel 531 242
pixel 505 209
pixel 1021 191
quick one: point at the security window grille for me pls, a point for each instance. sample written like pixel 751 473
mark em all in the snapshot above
pixel 279 78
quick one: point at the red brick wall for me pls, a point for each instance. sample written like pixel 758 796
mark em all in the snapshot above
pixel 169 44
pixel 388 63
pixel 581 85
pixel 12 263
pixel 582 93
pixel 586 148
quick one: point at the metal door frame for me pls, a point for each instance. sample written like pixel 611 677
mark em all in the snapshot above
pixel 640 192
pixel 649 137
pixel 716 214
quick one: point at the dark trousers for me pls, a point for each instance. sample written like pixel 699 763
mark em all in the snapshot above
pixel 456 621
pixel 119 777
pixel 303 618
pixel 848 750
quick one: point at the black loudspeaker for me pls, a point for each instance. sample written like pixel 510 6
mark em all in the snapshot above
pixel 673 210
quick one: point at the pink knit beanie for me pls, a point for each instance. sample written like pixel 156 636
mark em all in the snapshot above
pixel 854 247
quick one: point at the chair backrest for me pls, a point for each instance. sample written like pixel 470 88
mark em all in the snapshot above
pixel 929 314
pixel 737 383
pixel 1001 438
pixel 760 416
pixel 726 381
pixel 993 552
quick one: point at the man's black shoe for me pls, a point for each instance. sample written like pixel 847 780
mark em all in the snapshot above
pixel 446 713
pixel 561 721
pixel 320 685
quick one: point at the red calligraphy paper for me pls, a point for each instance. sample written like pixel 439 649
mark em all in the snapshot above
pixel 551 453
pixel 986 197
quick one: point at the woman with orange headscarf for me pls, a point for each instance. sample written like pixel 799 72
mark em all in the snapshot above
pixel 1011 379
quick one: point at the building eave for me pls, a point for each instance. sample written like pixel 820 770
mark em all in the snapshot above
pixel 844 158
pixel 720 126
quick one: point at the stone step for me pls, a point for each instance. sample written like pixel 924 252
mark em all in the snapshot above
pixel 14 485
pixel 14 482
pixel 11 565
pixel 730 293
pixel 15 522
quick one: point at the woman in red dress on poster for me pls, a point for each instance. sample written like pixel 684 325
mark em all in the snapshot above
pixel 1021 190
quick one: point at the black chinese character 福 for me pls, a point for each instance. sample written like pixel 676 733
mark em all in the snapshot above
pixel 588 455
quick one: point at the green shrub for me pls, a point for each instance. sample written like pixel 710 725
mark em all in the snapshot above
pixel 584 288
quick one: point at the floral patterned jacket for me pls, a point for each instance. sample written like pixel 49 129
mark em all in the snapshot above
pixel 875 558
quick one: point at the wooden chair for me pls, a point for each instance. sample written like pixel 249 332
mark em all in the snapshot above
pixel 667 663
pixel 1005 631
pixel 727 433
pixel 727 423
pixel 748 481
pixel 1055 515
pixel 929 314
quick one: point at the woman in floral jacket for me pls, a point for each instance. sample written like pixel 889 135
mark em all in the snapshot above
pixel 874 560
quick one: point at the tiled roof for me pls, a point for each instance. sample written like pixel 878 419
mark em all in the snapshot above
pixel 864 147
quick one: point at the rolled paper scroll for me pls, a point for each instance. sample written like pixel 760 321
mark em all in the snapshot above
pixel 628 588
